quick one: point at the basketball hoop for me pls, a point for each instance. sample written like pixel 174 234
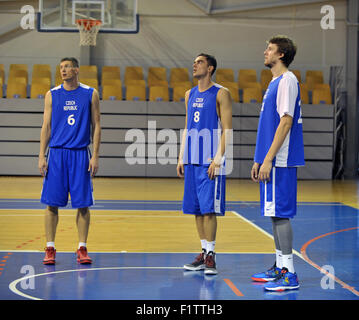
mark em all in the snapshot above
pixel 88 31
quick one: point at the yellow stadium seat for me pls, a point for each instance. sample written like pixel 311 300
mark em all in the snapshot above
pixel 110 75
pixel 158 83
pixel 179 90
pixel 224 75
pixel 252 85
pixel 18 66
pixel 1 91
pixel 312 80
pixel 158 93
pixel 135 92
pixel 41 74
pixel 91 68
pixel 19 73
pixel 321 96
pixel 19 80
pixel 38 90
pixel 16 90
pixel 133 73
pixel 266 78
pixel 195 82
pixel 111 92
pixel 304 96
pixel 156 75
pixel 178 75
pixel 41 81
pixel 90 82
pixel 114 69
pixel 112 82
pixel 133 82
pixel 233 89
pixel 322 86
pixel 41 67
pixel 243 79
pixel 2 73
pixel 252 95
pixel 315 73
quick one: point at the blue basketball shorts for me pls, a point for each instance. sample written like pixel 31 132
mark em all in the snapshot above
pixel 279 195
pixel 67 173
pixel 201 194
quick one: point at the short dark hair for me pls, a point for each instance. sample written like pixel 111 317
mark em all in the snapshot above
pixel 285 46
pixel 75 62
pixel 211 60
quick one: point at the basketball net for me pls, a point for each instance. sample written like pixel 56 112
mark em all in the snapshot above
pixel 88 31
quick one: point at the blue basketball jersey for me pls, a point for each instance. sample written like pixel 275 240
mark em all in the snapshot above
pixel 203 126
pixel 71 117
pixel 291 153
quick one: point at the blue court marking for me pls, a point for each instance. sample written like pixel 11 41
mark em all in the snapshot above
pixel 152 282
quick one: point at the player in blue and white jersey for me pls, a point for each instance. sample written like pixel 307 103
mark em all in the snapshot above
pixel 279 151
pixel 71 114
pixel 201 160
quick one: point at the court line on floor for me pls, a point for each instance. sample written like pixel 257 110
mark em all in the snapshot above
pixel 304 257
pixel 12 285
pixel 312 263
pixel 233 287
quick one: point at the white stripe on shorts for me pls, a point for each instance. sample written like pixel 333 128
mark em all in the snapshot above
pixel 217 202
pixel 269 206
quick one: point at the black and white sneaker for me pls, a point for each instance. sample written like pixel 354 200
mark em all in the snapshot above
pixel 210 264
pixel 198 264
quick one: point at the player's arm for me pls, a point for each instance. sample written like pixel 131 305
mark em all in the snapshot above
pixel 225 114
pixel 45 133
pixel 180 167
pixel 96 133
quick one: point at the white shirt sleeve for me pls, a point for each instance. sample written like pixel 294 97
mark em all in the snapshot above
pixel 287 96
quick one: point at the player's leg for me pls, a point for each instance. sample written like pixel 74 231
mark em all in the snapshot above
pixel 51 221
pixel 80 185
pixel 54 194
pixel 267 205
pixel 211 196
pixel 83 225
pixel 285 195
pixel 191 206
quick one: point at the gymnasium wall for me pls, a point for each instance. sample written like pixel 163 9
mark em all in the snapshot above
pixel 172 32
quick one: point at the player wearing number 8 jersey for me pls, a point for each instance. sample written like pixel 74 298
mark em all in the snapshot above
pixel 201 159
pixel 71 111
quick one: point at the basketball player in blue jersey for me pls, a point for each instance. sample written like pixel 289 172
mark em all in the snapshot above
pixel 201 161
pixel 279 151
pixel 71 112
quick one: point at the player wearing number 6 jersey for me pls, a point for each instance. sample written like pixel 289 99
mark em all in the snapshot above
pixel 71 113
pixel 201 159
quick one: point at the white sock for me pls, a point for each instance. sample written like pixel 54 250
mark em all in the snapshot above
pixel 82 244
pixel 288 262
pixel 278 258
pixel 210 245
pixel 50 244
pixel 204 244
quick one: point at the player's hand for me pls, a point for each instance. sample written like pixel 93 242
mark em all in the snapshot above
pixel 254 172
pixel 264 171
pixel 180 170
pixel 42 166
pixel 93 166
pixel 213 170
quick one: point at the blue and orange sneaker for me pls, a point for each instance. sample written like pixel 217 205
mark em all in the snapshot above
pixel 286 281
pixel 269 275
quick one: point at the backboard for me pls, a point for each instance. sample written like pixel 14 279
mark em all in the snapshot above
pixel 117 16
